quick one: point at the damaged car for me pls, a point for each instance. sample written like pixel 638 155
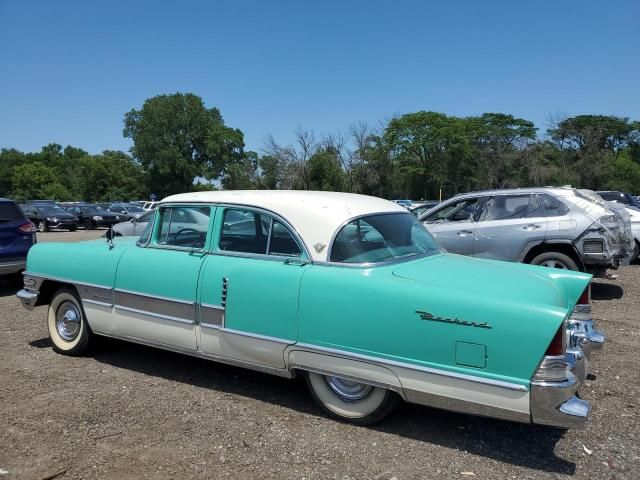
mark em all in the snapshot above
pixel 554 227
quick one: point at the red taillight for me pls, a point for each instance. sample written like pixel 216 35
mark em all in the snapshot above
pixel 585 298
pixel 27 228
pixel 556 347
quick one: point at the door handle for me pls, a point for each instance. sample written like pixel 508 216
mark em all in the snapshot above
pixel 295 261
pixel 464 233
pixel 531 226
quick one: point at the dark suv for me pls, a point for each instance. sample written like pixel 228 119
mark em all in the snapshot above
pixel 17 235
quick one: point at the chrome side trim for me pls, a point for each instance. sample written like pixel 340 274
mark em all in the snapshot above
pixel 99 295
pixel 281 372
pixel 464 406
pixel 153 314
pixel 258 336
pixel 64 280
pixel 96 302
pixel 435 371
pixel 210 325
pixel 155 305
pixel 211 316
pixel 158 297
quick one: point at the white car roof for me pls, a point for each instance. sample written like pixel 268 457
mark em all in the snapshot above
pixel 316 216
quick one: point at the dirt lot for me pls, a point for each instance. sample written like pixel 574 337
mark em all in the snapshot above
pixel 128 411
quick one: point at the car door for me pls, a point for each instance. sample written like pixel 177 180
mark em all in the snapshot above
pixel 454 224
pixel 507 225
pixel 157 282
pixel 250 286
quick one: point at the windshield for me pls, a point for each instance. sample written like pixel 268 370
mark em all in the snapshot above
pixel 381 238
pixel 51 209
pixel 134 209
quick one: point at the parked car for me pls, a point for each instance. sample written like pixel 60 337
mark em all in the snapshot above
pixel 92 216
pixel 46 216
pixel 626 199
pixel 133 227
pixel 17 235
pixel 348 291
pixel 554 227
pixel 635 228
pixel 418 209
pixel 126 211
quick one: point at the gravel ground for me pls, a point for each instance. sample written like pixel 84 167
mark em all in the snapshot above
pixel 127 411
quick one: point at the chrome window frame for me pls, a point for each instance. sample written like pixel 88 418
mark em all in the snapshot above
pixel 304 251
pixel 152 242
pixel 376 264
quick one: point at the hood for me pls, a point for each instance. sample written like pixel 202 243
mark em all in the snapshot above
pixel 504 281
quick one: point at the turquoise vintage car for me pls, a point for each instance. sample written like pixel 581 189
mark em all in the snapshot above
pixel 348 290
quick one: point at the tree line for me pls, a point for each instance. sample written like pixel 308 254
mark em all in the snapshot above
pixel 181 145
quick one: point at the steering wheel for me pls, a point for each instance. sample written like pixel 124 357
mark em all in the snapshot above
pixel 188 230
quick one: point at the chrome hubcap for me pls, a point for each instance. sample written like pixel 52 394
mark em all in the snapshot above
pixel 348 390
pixel 554 264
pixel 68 321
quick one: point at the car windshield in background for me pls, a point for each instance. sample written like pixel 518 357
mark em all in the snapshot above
pixel 382 238
pixel 51 209
pixel 134 209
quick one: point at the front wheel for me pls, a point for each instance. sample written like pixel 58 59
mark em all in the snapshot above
pixel 68 327
pixel 87 224
pixel 351 401
pixel 555 260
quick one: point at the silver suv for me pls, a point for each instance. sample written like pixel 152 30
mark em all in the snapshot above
pixel 554 227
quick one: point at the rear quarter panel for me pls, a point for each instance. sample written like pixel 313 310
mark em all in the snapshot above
pixel 372 312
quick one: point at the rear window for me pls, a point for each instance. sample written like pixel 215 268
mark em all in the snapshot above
pixel 10 212
pixel 381 238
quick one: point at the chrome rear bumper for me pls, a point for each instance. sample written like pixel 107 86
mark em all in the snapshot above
pixel 555 403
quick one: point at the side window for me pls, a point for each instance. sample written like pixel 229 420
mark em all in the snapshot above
pixel 552 206
pixel 184 226
pixel 463 210
pixel 248 231
pixel 510 207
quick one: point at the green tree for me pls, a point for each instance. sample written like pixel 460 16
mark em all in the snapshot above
pixel 36 181
pixel 325 172
pixel 177 139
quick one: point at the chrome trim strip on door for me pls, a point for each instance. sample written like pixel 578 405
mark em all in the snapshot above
pixel 64 280
pixel 158 297
pixel 157 306
pixel 435 371
pixel 256 335
pixel 211 316
pixel 96 302
pixel 97 295
pixel 153 314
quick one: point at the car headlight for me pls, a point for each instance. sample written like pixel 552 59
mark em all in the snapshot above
pixel 117 217
pixel 97 217
pixel 52 219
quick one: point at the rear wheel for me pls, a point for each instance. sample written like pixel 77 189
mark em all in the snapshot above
pixel 67 324
pixel 555 260
pixel 42 226
pixel 87 224
pixel 351 401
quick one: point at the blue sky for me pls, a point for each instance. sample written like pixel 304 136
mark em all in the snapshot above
pixel 69 70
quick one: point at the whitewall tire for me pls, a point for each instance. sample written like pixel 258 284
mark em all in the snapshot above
pixel 67 324
pixel 350 401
